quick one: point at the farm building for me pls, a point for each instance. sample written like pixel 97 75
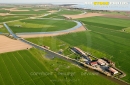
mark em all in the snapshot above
pixel 94 63
pixel 84 60
pixel 112 70
pixel 101 62
pixel 86 57
pixel 79 51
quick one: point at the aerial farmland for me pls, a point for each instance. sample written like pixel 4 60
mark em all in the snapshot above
pixel 63 45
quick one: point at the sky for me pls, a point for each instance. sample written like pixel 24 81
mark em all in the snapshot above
pixel 53 1
pixel 81 3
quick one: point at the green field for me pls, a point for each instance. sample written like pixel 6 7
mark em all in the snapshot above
pixel 40 25
pixel 30 12
pixel 3 29
pixel 101 41
pixel 107 21
pixel 126 30
pixel 12 17
pixel 113 12
pixel 4 11
pixel 54 43
pixel 106 38
pixel 30 67
pixel 116 13
pixel 114 44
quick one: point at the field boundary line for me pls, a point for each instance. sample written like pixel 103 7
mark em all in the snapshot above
pixel 54 74
pixel 24 69
pixel 39 67
pixel 31 68
pixel 1 75
pixel 16 69
pixel 8 71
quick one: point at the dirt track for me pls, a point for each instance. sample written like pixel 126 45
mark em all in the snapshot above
pixel 83 15
pixel 53 11
pixel 5 14
pixel 46 35
pixel 9 45
pixel 14 9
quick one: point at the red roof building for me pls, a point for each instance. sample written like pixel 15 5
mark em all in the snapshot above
pixel 94 63
pixel 113 71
